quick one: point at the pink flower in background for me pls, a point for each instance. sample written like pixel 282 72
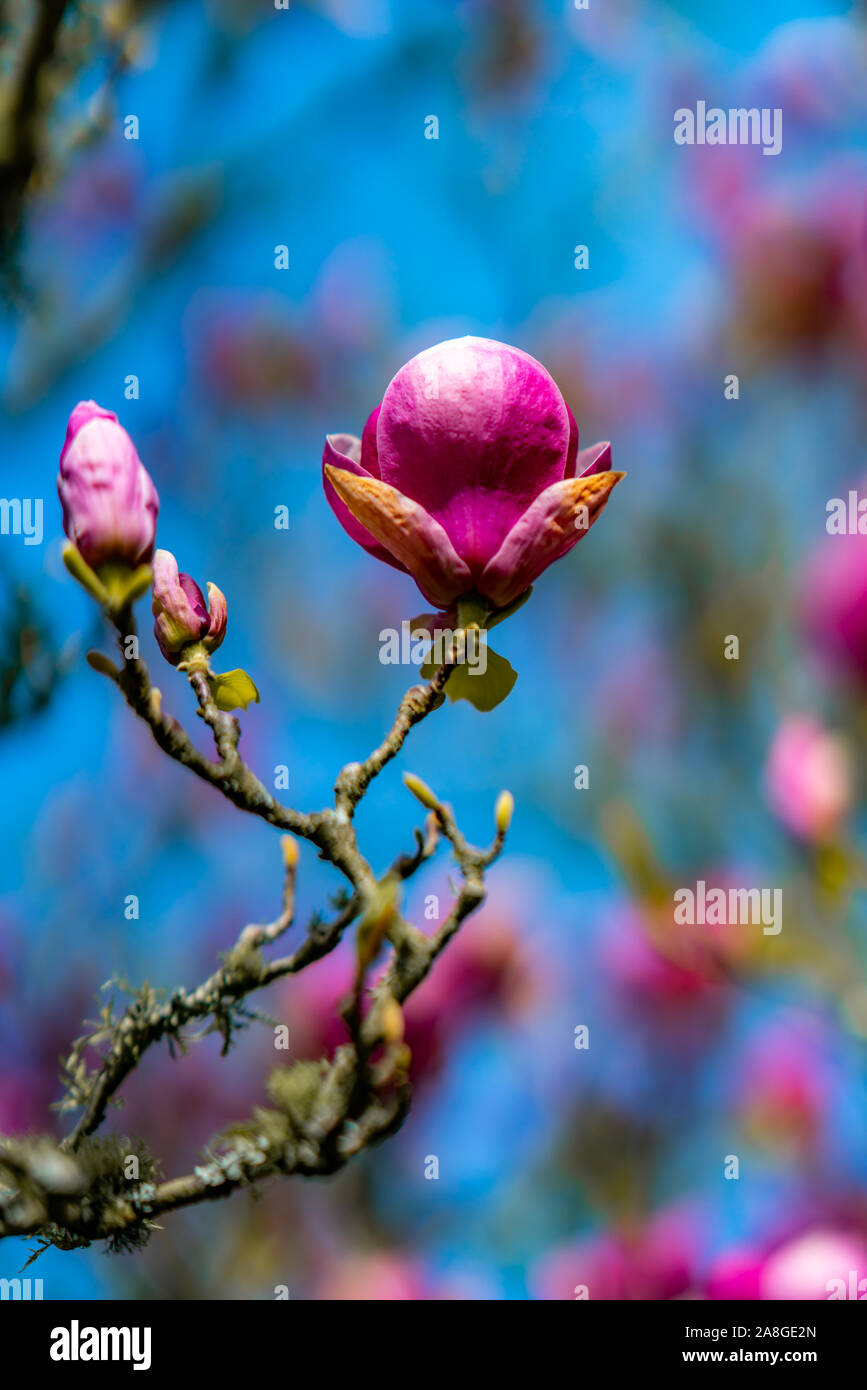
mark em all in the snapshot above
pixel 803 1268
pixel 485 970
pixel 181 615
pixel 834 603
pixel 468 476
pixel 378 1277
pixel 653 1263
pixel 809 1267
pixel 109 502
pixel 783 1086
pixel 21 1101
pixel 796 255
pixel 249 351
pixel 799 269
pixel 808 778
pixel 656 978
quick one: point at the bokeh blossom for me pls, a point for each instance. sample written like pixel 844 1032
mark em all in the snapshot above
pixel 808 1267
pixel 808 778
pixel 834 604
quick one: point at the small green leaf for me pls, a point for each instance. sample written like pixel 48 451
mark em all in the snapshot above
pixel 233 690
pixel 485 690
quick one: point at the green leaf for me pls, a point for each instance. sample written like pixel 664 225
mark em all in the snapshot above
pixel 233 690
pixel 485 690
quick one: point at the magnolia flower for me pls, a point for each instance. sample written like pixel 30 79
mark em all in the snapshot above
pixel 468 475
pixel 833 603
pixel 181 615
pixel 109 502
pixel 651 1262
pixel 816 1265
pixel 808 779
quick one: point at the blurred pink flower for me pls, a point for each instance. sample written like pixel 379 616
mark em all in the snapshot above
pixel 109 502
pixel 22 1102
pixel 834 603
pixel 808 778
pixel 484 970
pixel 783 1086
pixel 796 256
pixel 468 475
pixel 650 976
pixel 379 1277
pixel 250 352
pixel 803 1268
pixel 800 270
pixel 653 1264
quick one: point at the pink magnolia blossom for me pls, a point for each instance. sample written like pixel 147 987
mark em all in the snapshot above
pixel 834 603
pixel 811 1266
pixel 649 1264
pixel 109 502
pixel 379 1277
pixel 181 615
pixel 783 1087
pixel 808 778
pixel 468 475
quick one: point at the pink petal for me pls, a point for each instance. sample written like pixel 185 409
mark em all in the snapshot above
pixel 544 533
pixel 218 616
pixel 596 459
pixel 344 451
pixel 413 537
pixel 572 451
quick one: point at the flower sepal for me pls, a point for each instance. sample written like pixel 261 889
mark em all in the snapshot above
pixel 114 587
pixel 81 571
pixel 125 586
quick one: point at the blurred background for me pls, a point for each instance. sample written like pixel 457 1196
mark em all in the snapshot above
pixel 154 258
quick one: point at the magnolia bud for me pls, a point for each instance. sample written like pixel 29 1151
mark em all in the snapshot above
pixel 421 791
pixel 503 812
pixel 181 613
pixel 109 502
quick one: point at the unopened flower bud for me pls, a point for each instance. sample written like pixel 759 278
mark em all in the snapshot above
pixel 181 615
pixel 503 812
pixel 420 790
pixel 109 502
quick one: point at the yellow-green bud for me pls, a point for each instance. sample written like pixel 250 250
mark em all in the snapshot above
pixel 420 790
pixel 503 812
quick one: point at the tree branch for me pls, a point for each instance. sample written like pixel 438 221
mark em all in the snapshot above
pixel 324 1112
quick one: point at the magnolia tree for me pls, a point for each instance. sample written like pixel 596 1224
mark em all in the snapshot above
pixel 469 478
